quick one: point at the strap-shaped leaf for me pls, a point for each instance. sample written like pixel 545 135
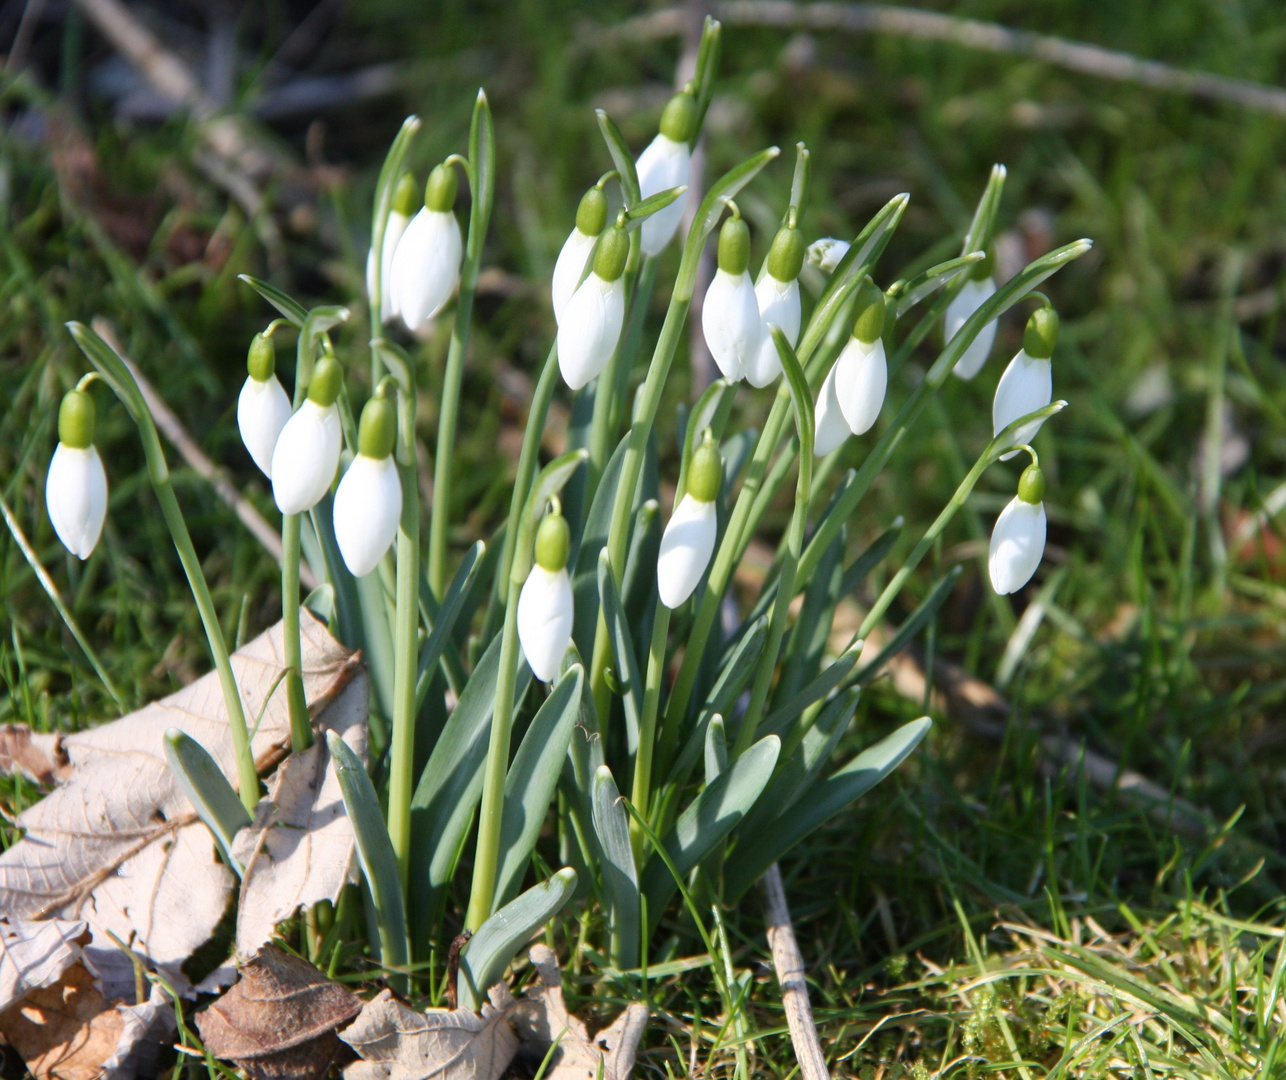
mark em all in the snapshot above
pixel 710 818
pixel 871 557
pixel 592 540
pixel 931 280
pixel 640 212
pixel 620 879
pixel 622 159
pixel 782 719
pixel 799 185
pixel 482 181
pixel 826 799
pixel 812 627
pixel 375 851
pixel 913 624
pixel 499 939
pixel 293 311
pixel 708 51
pixel 716 749
pixel 984 216
pixel 448 613
pixel 207 789
pixel 624 656
pixel 529 787
pixel 317 322
pixel 548 484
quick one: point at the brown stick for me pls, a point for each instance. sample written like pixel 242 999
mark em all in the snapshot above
pixel 789 963
pixel 172 428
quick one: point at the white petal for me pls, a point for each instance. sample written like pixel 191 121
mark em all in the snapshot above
pixel 76 495
pixel 1017 544
pixel 663 165
pixel 1025 386
pixel 545 620
pixel 262 411
pixel 730 320
pixel 963 304
pixel 393 231
pixel 686 547
pixel 832 428
pixel 306 457
pixel 568 269
pixel 861 377
pixel 778 304
pixel 426 266
pixel 827 252
pixel 590 329
pixel 368 506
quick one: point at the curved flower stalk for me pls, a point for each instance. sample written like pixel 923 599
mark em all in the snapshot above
pixel 592 320
pixel 1018 540
pixel 1027 383
pixel 688 540
pixel 368 501
pixel 591 217
pixel 777 294
pixel 399 216
pixel 730 311
pixel 667 163
pixel 976 291
pixel 76 487
pixel 307 453
pixel 426 265
pixel 545 612
pixel 262 406
pixel 854 388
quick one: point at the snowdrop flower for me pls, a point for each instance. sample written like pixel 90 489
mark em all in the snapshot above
pixel 591 322
pixel 76 487
pixel 667 163
pixel 1027 384
pixel 1018 540
pixel 827 252
pixel 262 406
pixel 426 264
pixel 730 310
pixel 861 372
pixel 307 452
pixel 545 611
pixel 777 294
pixel 832 428
pixel 688 540
pixel 399 216
pixel 368 501
pixel 591 216
pixel 977 290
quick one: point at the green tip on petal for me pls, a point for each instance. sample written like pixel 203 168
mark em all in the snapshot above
pixel 679 121
pixel 1031 485
pixel 868 324
pixel 734 246
pixel 327 381
pixel 439 192
pixel 553 542
pixel 377 431
pixel 705 473
pixel 262 359
pixel 612 254
pixel 984 267
pixel 404 195
pixel 786 256
pixel 591 215
pixel 76 416
pixel 1041 334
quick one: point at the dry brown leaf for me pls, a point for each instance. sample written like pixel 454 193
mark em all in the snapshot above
pixel 34 955
pixel 542 1019
pixel 39 756
pixel 279 1021
pixel 300 848
pixel 119 846
pixel 396 1042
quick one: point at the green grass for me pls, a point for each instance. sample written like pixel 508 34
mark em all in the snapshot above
pixel 984 906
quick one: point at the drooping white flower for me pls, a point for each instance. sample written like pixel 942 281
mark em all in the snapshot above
pixel 545 605
pixel 686 547
pixel 262 405
pixel 76 485
pixel 307 452
pixel 399 216
pixel 426 264
pixel 778 306
pixel 368 501
pixel 730 310
pixel 591 324
pixel 1018 540
pixel 827 253
pixel 861 379
pixel 1027 383
pixel 667 163
pixel 831 427
pixel 975 292
pixel 591 217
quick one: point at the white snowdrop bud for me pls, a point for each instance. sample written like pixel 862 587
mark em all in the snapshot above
pixel 831 427
pixel 399 216
pixel 861 372
pixel 667 163
pixel 977 290
pixel 1027 383
pixel 1018 540
pixel 307 452
pixel 545 605
pixel 76 485
pixel 688 540
pixel 827 253
pixel 591 217
pixel 777 295
pixel 591 324
pixel 730 310
pixel 262 406
pixel 426 264
pixel 368 501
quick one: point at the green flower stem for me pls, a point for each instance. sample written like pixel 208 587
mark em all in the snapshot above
pixel 301 729
pixel 641 794
pixel 405 640
pixel 118 377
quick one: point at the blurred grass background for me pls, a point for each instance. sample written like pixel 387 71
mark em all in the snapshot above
pixel 1003 900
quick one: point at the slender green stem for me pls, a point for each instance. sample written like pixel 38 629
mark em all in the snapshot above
pixel 301 729
pixel 642 791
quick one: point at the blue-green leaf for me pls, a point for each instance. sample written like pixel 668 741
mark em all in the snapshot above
pixel 293 311
pixel 620 879
pixel 624 656
pixel 448 613
pixel 207 789
pixel 926 609
pixel 622 159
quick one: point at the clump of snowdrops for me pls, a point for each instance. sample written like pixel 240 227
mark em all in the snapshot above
pixel 581 658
